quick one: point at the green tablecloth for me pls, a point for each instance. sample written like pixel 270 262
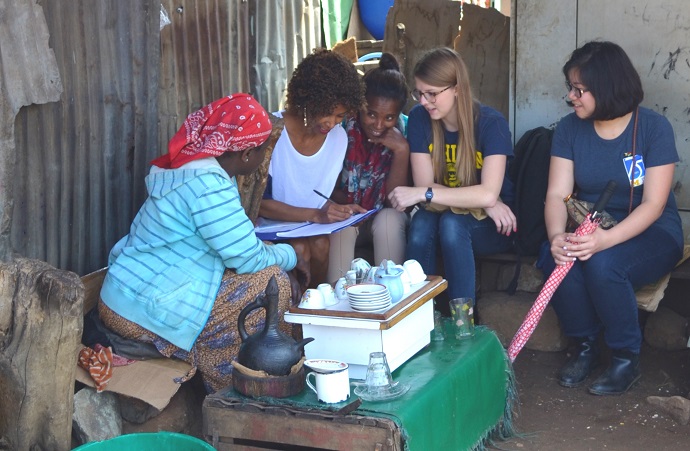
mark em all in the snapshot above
pixel 458 396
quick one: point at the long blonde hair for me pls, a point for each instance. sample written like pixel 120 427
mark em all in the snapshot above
pixel 445 67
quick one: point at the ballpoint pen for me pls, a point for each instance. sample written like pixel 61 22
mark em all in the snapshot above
pixel 324 196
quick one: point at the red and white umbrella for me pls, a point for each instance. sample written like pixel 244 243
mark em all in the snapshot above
pixel 532 318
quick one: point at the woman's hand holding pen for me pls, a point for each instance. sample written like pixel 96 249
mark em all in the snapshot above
pixel 333 212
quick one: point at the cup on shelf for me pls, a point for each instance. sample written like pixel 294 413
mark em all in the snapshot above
pixel 415 271
pixel 462 314
pixel 312 299
pixel 341 289
pixel 328 294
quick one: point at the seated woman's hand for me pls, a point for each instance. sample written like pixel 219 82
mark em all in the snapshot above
pixel 332 212
pixel 559 248
pixel 503 216
pixel 392 139
pixel 404 196
pixel 580 247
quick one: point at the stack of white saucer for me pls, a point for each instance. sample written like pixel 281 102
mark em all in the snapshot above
pixel 369 297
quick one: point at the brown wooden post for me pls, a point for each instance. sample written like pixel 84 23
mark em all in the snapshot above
pixel 41 321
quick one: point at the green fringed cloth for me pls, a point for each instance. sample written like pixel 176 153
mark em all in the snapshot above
pixel 462 395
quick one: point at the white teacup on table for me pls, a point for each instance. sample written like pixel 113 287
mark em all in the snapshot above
pixel 331 380
pixel 340 289
pixel 415 271
pixel 328 294
pixel 312 299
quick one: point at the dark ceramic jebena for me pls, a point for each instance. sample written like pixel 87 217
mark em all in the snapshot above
pixel 269 350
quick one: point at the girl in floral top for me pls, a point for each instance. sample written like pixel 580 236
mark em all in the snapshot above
pixel 376 162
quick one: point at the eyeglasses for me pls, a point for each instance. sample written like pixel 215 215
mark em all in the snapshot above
pixel 578 92
pixel 430 96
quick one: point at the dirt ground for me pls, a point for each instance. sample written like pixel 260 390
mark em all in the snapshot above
pixel 552 417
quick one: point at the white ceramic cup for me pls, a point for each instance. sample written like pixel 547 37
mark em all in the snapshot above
pixel 340 289
pixel 328 294
pixel 371 275
pixel 415 271
pixel 330 387
pixel 312 299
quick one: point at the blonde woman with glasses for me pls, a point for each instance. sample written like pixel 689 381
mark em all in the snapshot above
pixel 460 188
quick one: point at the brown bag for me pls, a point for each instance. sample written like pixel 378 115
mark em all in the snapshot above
pixel 578 211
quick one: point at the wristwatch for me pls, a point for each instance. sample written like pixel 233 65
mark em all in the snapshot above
pixel 429 195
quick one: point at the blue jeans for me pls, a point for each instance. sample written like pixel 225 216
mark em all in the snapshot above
pixel 600 292
pixel 460 237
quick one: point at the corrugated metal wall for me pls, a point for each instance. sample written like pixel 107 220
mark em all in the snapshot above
pixel 286 32
pixel 81 162
pixel 216 47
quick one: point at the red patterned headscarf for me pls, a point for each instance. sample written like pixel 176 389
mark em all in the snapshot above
pixel 230 124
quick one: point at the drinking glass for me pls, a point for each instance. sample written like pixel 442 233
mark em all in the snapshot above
pixel 462 313
pixel 378 378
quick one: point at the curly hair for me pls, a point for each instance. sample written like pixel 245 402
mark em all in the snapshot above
pixel 323 80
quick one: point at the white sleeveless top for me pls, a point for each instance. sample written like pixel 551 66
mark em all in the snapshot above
pixel 295 176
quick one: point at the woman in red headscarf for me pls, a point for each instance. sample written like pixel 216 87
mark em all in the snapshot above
pixel 191 260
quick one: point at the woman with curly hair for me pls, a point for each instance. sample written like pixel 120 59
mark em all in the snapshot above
pixel 323 90
pixel 458 153
pixel 377 161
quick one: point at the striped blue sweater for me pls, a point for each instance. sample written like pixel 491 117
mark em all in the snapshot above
pixel 165 274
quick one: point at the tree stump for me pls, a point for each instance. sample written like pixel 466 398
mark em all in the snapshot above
pixel 41 321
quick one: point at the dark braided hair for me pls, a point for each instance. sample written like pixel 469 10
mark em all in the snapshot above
pixel 321 81
pixel 387 81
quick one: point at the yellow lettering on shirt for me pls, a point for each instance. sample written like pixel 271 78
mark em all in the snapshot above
pixel 451 179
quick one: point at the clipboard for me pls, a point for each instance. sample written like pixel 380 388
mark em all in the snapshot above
pixel 269 230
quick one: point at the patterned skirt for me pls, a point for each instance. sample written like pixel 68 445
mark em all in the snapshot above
pixel 219 341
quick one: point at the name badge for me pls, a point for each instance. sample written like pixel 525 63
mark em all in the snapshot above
pixel 635 170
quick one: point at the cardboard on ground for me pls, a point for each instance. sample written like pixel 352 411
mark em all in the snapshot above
pixel 152 381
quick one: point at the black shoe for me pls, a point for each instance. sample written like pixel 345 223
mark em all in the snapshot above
pixel 580 366
pixel 623 372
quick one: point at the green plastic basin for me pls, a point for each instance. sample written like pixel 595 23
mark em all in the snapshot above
pixel 148 441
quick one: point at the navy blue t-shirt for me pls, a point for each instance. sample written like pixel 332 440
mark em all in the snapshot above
pixel 597 160
pixel 492 137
